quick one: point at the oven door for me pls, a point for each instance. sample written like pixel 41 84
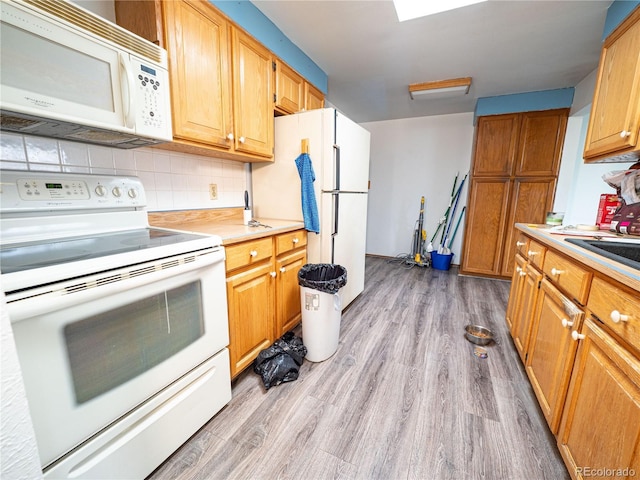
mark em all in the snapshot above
pixel 94 348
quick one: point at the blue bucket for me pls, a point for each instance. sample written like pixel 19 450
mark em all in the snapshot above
pixel 441 261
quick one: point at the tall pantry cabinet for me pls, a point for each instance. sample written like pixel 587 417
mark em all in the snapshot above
pixel 513 179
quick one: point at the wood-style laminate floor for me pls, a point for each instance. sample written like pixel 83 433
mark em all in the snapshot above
pixel 403 397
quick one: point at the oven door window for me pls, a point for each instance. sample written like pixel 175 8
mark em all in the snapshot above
pixel 113 347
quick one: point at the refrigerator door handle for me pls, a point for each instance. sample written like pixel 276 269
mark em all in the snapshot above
pixel 336 165
pixel 336 206
pixel 336 216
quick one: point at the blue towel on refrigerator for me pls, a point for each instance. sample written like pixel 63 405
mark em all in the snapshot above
pixel 309 205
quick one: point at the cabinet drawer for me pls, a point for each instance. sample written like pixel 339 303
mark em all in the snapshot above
pixel 248 253
pixel 535 253
pixel 570 277
pixel 617 308
pixel 290 241
pixel 522 244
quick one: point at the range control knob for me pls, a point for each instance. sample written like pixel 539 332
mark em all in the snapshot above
pixel 117 192
pixel 101 190
pixel 133 193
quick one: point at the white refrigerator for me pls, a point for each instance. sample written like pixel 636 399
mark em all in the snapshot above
pixel 339 151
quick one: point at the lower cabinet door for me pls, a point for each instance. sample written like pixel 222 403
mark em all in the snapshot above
pixel 599 435
pixel 288 291
pixel 551 350
pixel 523 316
pixel 251 300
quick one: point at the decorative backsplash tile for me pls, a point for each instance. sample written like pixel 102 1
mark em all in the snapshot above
pixel 172 180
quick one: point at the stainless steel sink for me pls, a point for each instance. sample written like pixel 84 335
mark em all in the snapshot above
pixel 625 252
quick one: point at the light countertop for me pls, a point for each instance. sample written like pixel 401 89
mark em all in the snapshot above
pixel 228 224
pixel 618 271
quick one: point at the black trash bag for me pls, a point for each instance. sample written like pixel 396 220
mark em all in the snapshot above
pixel 325 277
pixel 281 361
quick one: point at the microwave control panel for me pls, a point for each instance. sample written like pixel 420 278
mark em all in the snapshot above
pixel 153 109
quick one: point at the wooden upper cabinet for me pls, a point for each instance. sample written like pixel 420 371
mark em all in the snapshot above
pixel 614 123
pixel 290 89
pixel 313 98
pixel 495 145
pixel 540 142
pixel 221 78
pixel 142 17
pixel 198 47
pixel 252 100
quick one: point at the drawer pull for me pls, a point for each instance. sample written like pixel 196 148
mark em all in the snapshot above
pixel 625 133
pixel 616 317
pixel 555 272
pixel 295 240
pixel 567 323
pixel 273 274
pixel 520 244
pixel 282 269
pixel 577 336
pixel 253 253
pixel 531 253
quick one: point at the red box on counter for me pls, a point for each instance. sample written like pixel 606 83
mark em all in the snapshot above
pixel 609 203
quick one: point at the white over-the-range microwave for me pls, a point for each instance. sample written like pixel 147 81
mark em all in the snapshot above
pixel 70 74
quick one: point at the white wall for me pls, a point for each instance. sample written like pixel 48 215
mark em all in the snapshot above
pixel 411 158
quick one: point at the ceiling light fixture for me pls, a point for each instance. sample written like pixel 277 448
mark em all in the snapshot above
pixel 440 88
pixel 410 9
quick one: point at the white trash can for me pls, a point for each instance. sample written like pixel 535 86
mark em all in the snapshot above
pixel 321 304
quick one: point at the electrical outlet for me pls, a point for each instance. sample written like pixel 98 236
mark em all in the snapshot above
pixel 213 191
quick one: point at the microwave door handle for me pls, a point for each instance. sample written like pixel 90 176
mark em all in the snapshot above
pixel 127 102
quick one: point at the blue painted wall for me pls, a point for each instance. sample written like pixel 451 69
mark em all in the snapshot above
pixel 247 15
pixel 617 12
pixel 523 102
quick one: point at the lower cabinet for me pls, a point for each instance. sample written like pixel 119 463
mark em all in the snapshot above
pixel 522 323
pixel 578 333
pixel 600 431
pixel 262 293
pixel 551 350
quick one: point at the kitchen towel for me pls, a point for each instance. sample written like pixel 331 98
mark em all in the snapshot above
pixel 309 205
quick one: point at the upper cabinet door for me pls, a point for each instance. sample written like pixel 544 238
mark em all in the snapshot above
pixel 615 113
pixel 313 98
pixel 198 47
pixel 541 140
pixel 289 89
pixel 495 146
pixel 252 95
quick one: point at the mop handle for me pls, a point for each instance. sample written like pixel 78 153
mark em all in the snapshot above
pixel 455 206
pixel 455 230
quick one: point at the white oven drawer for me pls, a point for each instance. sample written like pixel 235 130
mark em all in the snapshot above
pixel 137 444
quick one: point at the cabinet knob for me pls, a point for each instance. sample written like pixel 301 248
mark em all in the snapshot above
pixel 230 136
pixel 567 323
pixel 520 271
pixel 253 253
pixel 555 272
pixel 577 336
pixel 625 134
pixel 282 269
pixel 616 317
pixel 531 253
pixel 295 240
pixel 520 244
pixel 241 139
pixel 273 274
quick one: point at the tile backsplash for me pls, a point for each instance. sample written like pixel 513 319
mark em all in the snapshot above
pixel 172 180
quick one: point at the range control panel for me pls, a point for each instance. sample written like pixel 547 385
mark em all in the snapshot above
pixel 23 191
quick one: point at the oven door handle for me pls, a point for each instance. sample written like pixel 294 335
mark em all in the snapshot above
pixel 27 304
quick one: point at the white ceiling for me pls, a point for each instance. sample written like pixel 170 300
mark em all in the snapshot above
pixel 506 46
